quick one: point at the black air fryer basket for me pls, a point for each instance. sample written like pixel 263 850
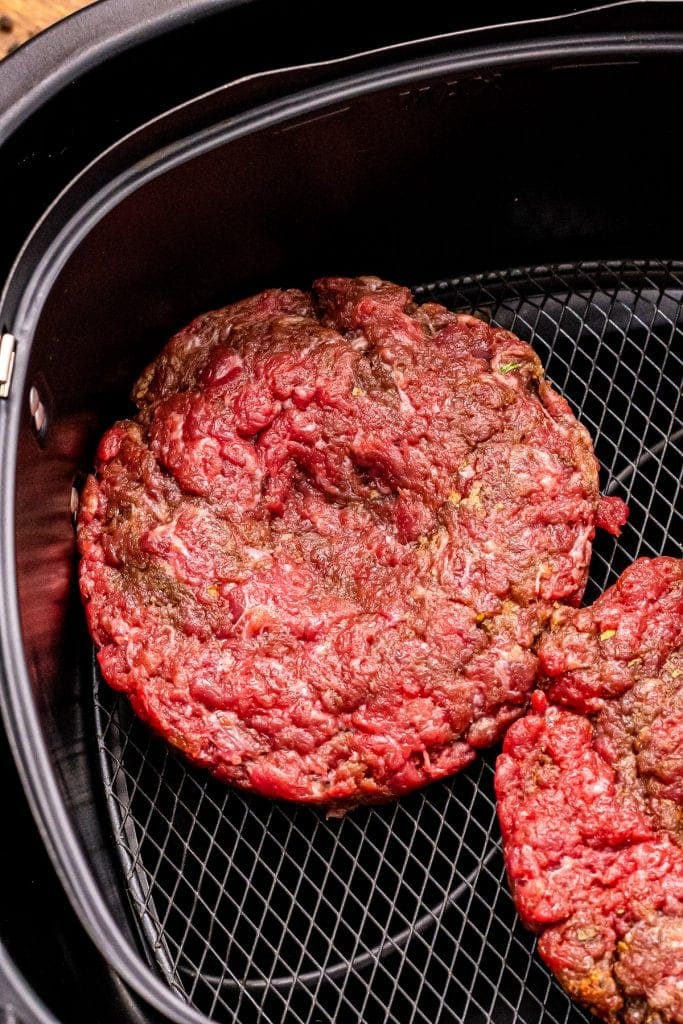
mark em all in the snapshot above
pixel 527 173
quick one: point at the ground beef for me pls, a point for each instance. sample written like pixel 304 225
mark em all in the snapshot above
pixel 319 558
pixel 590 791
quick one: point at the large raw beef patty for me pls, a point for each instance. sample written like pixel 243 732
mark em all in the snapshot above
pixel 590 792
pixel 318 559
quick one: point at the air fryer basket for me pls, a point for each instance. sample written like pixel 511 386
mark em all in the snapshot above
pixel 251 907
pixel 554 155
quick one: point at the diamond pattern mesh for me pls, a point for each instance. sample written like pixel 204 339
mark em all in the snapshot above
pixel 257 911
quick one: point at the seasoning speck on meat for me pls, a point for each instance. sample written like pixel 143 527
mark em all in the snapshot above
pixel 318 559
pixel 590 799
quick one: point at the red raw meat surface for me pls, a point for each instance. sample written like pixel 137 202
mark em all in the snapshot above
pixel 590 799
pixel 318 559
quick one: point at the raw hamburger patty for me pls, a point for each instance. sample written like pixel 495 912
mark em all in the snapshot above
pixel 318 559
pixel 591 799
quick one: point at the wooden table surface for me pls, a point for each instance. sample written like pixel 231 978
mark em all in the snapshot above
pixel 21 19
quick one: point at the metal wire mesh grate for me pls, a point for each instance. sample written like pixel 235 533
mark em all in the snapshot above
pixel 257 911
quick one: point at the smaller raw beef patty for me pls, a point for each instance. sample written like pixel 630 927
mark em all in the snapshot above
pixel 591 799
pixel 318 559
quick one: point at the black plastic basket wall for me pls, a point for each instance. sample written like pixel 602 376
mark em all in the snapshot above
pixel 259 911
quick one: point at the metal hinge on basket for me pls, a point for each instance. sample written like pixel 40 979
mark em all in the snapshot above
pixel 7 348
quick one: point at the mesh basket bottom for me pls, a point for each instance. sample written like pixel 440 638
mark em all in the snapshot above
pixel 257 911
